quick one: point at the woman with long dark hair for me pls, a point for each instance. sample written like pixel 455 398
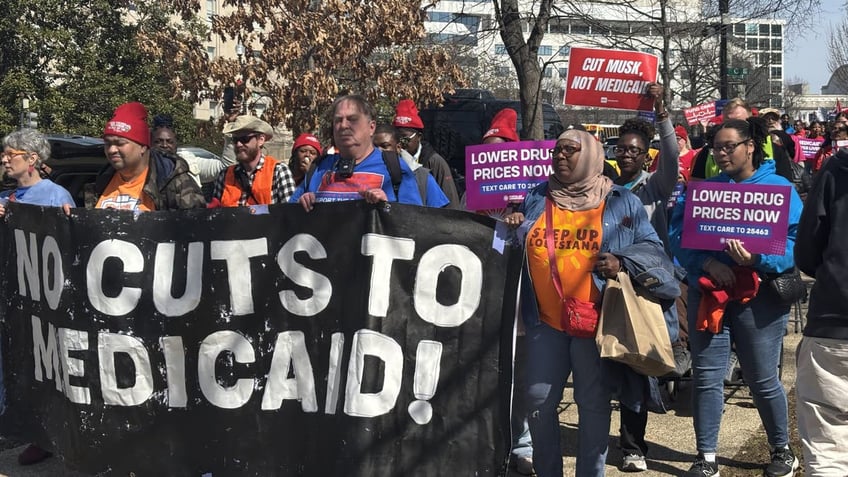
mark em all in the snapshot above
pixel 758 325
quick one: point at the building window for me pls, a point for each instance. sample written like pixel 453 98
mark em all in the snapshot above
pixel 548 73
pixel 580 29
pixel 503 71
pixel 777 30
pixel 641 29
pixel 470 21
pixel 500 49
pixel 211 10
pixel 751 28
pixel 776 87
pixel 210 52
pixel 440 17
pixel 546 50
pixel 751 44
pixel 557 25
pixel 563 72
pixel 464 39
pixel 776 59
pixel 776 44
pixel 776 72
pixel 739 29
pixel 765 29
pixel 564 50
pixel 764 44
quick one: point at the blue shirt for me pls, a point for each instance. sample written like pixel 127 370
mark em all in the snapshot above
pixel 45 193
pixel 371 173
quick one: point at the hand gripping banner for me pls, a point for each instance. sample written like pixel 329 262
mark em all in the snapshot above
pixel 354 340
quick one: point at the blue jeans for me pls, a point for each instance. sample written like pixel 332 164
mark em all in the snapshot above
pixel 2 384
pixel 757 329
pixel 551 357
pixel 522 443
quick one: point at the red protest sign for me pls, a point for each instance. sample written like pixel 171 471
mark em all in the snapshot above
pixel 701 112
pixel 614 79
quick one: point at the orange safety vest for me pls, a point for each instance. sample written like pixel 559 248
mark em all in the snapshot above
pixel 263 183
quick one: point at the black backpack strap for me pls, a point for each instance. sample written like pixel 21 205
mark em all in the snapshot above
pixel 390 159
pixel 422 176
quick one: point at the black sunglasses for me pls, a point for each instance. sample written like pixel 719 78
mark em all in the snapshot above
pixel 244 139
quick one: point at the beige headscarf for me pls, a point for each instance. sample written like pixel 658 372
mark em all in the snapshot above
pixel 588 185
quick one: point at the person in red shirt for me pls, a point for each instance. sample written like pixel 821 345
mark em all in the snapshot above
pixel 687 154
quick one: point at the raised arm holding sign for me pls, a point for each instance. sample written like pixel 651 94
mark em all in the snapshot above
pixel 614 79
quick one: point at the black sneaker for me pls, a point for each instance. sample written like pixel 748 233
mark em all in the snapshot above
pixel 702 468
pixel 783 463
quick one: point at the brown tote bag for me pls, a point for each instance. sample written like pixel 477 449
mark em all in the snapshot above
pixel 632 329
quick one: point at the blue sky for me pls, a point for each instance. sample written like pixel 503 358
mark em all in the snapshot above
pixel 806 54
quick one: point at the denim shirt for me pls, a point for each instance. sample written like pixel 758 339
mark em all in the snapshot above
pixel 625 223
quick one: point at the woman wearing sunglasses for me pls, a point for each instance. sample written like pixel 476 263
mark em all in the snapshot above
pixel 24 153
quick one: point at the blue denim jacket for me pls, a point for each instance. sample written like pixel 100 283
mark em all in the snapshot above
pixel 627 233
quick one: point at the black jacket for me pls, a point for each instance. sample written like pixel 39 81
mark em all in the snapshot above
pixel 168 183
pixel 440 170
pixel 821 249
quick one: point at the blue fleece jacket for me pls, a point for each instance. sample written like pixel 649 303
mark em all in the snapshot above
pixel 693 260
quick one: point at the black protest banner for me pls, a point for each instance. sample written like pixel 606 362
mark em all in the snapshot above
pixel 353 340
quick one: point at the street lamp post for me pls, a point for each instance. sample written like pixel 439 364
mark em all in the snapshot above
pixel 723 9
pixel 243 88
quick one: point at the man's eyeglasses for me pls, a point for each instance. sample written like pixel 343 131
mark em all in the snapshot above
pixel 404 141
pixel 244 139
pixel 568 149
pixel 729 147
pixel 632 150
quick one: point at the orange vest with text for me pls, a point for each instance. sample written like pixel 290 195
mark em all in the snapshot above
pixel 263 183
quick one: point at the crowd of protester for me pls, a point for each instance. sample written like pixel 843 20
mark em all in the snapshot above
pixel 637 210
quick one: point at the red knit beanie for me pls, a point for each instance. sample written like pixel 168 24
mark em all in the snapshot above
pixel 307 139
pixel 129 121
pixel 406 115
pixel 680 131
pixel 503 125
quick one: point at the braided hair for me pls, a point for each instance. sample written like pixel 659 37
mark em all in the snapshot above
pixel 752 128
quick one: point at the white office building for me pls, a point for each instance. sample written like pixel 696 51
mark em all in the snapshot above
pixel 755 46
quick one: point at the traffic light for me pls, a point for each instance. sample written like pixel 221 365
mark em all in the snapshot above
pixel 31 120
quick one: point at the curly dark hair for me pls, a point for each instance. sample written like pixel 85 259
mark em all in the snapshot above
pixel 639 127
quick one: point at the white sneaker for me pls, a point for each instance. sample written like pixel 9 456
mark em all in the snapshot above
pixel 634 463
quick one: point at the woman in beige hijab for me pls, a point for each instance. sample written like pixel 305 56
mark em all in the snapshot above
pixel 586 226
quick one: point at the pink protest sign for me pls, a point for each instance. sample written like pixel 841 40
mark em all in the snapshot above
pixel 809 146
pixel 701 112
pixel 756 214
pixel 498 174
pixel 615 79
